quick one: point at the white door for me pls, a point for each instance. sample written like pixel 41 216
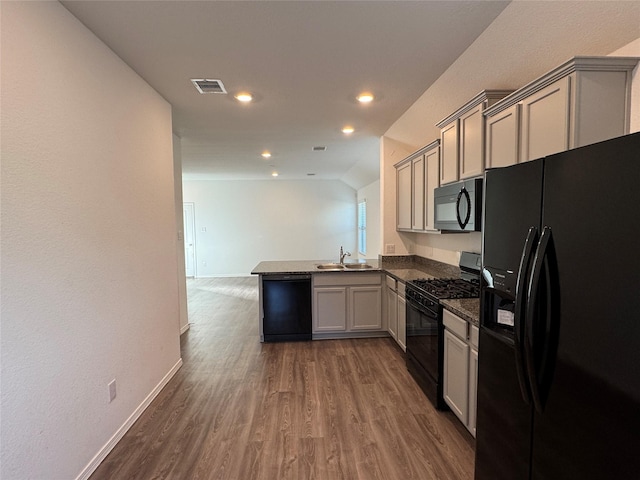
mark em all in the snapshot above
pixel 189 239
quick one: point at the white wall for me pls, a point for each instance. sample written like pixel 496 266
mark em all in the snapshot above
pixel 248 221
pixel 89 290
pixel 371 193
pixel 525 41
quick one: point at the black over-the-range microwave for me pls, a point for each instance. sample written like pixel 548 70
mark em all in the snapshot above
pixel 458 207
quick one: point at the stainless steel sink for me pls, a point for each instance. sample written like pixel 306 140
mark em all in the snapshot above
pixel 357 266
pixel 330 266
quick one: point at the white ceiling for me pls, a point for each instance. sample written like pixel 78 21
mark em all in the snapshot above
pixel 305 61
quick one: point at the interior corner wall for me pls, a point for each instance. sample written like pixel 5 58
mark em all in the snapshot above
pixel 240 223
pixel 371 193
pixel 180 258
pixel 89 291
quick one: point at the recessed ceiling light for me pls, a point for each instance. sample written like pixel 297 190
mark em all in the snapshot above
pixel 274 174
pixel 266 154
pixel 365 97
pixel 347 130
pixel 244 97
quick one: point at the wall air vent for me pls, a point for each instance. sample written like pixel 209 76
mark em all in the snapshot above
pixel 319 149
pixel 205 85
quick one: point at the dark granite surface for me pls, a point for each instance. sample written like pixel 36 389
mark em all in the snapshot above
pixel 307 266
pixel 402 268
pixel 466 308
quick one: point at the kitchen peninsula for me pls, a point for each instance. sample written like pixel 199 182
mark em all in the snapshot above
pixel 351 300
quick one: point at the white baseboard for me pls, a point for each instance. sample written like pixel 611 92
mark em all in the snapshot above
pixel 104 451
pixel 184 328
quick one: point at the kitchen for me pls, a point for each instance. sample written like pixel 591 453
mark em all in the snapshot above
pixel 449 93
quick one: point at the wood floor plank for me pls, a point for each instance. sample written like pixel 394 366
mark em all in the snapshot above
pixel 324 410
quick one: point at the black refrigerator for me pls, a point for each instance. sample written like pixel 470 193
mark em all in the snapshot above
pixel 559 352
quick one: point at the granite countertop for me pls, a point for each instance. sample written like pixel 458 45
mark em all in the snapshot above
pixel 402 268
pixel 308 266
pixel 466 308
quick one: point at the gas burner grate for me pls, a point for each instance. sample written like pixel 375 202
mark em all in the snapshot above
pixel 442 288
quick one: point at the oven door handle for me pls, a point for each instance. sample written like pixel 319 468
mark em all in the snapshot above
pixel 542 325
pixel 519 321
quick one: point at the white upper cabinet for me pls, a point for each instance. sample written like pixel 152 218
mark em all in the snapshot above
pixel 416 178
pixel 502 137
pixel 432 181
pixel 545 121
pixel 404 196
pixel 462 136
pixel 471 161
pixel 417 182
pixel 449 153
pixel 585 100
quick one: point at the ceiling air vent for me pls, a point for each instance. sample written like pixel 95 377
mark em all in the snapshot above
pixel 319 149
pixel 205 85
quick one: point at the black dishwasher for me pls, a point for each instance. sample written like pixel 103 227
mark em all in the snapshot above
pixel 286 303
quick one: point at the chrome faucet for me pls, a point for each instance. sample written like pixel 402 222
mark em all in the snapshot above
pixel 342 255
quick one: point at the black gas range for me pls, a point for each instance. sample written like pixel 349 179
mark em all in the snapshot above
pixel 425 331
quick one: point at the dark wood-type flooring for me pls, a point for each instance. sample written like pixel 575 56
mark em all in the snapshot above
pixel 325 410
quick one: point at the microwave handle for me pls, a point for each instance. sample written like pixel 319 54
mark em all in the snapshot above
pixel 463 191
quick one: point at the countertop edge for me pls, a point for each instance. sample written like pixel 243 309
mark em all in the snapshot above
pixel 467 309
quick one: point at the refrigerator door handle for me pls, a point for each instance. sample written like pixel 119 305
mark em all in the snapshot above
pixel 540 349
pixel 463 191
pixel 520 313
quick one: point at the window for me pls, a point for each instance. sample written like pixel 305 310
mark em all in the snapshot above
pixel 362 227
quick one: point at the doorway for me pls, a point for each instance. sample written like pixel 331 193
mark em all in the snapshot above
pixel 189 239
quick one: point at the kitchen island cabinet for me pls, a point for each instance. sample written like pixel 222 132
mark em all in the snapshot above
pixel 347 305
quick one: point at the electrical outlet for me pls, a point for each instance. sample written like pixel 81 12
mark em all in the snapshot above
pixel 390 248
pixel 112 390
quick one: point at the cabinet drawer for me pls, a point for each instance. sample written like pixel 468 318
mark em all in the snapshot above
pixel 391 282
pixel 455 324
pixel 473 336
pixel 347 279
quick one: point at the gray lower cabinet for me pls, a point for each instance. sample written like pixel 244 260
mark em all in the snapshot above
pixel 402 318
pixel 392 307
pixel 347 305
pixel 461 368
pixel 396 310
